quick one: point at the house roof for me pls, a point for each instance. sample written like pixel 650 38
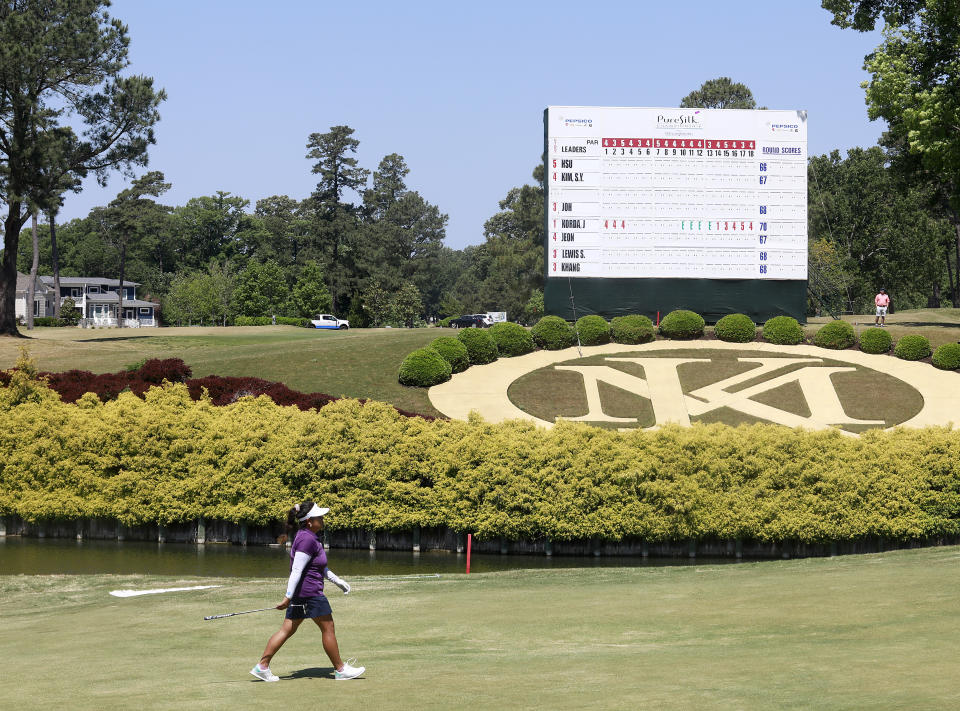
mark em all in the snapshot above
pixel 80 281
pixel 111 298
pixel 23 282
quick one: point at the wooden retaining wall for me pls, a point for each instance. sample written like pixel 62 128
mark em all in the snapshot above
pixel 445 539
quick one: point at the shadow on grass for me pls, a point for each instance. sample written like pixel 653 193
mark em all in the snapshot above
pixel 311 673
pixel 918 324
pixel 112 338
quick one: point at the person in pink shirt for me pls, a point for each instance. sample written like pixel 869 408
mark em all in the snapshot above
pixel 882 301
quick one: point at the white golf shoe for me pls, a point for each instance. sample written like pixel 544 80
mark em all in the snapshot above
pixel 264 674
pixel 348 671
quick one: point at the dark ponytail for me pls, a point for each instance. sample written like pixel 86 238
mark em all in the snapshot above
pixel 294 514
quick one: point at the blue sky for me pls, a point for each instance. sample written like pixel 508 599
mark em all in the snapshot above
pixel 457 89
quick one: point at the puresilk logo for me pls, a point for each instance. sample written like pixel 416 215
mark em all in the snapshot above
pixel 678 121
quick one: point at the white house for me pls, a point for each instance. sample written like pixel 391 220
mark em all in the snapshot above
pixel 42 298
pixel 97 298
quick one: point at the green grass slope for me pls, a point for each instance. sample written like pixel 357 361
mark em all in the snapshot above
pixel 357 363
pixel 873 631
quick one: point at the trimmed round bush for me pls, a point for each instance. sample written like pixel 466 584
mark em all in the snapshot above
pixel 453 351
pixel 631 329
pixel 512 339
pixel 736 328
pixel 553 333
pixel 424 367
pixel 836 335
pixel 682 325
pixel 912 347
pixel 876 340
pixel 947 356
pixel 480 345
pixel 593 330
pixel 782 330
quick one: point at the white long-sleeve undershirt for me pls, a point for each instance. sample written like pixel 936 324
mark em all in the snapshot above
pixel 300 562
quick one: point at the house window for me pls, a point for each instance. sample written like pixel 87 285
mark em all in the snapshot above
pixel 93 289
pixel 128 293
pixel 36 308
pixel 75 292
pixel 145 309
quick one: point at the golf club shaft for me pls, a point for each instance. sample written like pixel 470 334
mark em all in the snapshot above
pixel 231 614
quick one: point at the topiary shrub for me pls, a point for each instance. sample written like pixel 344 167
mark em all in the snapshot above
pixel 553 333
pixel 593 330
pixel 631 329
pixel 453 351
pixel 736 328
pixel 912 347
pixel 156 370
pixel 512 339
pixel 50 321
pixel 836 335
pixel 782 330
pixel 480 345
pixel 445 322
pixel 947 356
pixel 876 340
pixel 682 325
pixel 423 368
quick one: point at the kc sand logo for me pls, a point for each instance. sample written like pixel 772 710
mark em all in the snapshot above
pixel 665 382
pixel 663 388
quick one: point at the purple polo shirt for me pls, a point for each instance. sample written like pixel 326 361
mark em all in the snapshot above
pixel 311 584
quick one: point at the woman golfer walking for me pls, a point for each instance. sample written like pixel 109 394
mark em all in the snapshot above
pixel 304 597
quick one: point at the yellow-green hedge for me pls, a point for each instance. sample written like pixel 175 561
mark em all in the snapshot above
pixel 167 459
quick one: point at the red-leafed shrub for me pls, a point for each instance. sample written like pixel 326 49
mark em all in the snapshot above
pixel 72 384
pixel 156 370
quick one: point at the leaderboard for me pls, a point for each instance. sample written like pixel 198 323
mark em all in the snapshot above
pixel 676 193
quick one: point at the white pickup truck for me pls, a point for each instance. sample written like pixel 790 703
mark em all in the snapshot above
pixel 328 321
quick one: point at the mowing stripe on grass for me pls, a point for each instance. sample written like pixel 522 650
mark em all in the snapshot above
pixel 134 593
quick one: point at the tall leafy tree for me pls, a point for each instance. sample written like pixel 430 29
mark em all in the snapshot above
pixel 310 295
pixel 720 93
pixel 403 232
pixel 286 231
pixel 334 220
pixel 130 216
pixel 261 290
pixel 407 304
pixel 377 304
pixel 209 227
pixel 915 86
pixel 509 265
pixel 862 15
pixel 60 65
pixel 880 227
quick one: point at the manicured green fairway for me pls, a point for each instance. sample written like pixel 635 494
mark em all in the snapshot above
pixel 857 632
pixel 357 363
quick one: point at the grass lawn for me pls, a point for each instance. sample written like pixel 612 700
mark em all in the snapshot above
pixel 357 363
pixel 855 632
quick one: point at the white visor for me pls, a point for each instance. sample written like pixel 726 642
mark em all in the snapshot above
pixel 315 512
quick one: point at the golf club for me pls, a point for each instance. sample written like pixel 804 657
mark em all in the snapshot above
pixel 231 614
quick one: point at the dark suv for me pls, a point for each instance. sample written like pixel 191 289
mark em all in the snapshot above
pixel 470 321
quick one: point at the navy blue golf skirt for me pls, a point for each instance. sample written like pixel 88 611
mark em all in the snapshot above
pixel 301 608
